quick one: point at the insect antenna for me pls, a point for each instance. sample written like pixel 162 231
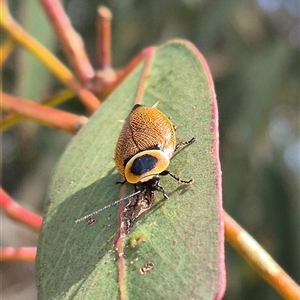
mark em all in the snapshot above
pixel 106 207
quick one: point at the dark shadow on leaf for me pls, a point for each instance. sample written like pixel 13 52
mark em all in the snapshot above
pixel 83 246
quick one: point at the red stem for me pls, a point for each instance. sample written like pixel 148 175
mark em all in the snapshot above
pixel 19 213
pixel 11 119
pixel 17 254
pixel 46 115
pixel 260 259
pixel 104 38
pixel 71 41
pixel 20 36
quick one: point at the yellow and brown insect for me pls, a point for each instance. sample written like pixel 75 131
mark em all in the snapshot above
pixel 146 144
pixel 145 147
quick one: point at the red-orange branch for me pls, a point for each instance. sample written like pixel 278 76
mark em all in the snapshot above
pixel 46 115
pixel 19 213
pixel 12 119
pixel 104 38
pixel 17 254
pixel 107 83
pixel 260 259
pixel 20 36
pixel 71 41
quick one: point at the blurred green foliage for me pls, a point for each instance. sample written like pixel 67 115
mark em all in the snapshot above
pixel 253 52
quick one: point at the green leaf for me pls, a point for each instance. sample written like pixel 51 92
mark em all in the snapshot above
pixel 181 237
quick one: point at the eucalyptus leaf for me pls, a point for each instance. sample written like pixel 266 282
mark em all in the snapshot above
pixel 174 251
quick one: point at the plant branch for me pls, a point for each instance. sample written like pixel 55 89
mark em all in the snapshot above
pixel 262 262
pixel 17 254
pixel 16 32
pixel 107 86
pixel 104 38
pixel 105 76
pixel 71 41
pixel 6 48
pixel 12 119
pixel 19 213
pixel 46 115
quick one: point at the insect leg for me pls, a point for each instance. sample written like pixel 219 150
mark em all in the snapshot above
pixel 183 144
pixel 166 172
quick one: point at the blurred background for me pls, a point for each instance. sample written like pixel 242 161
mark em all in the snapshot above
pixel 252 48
